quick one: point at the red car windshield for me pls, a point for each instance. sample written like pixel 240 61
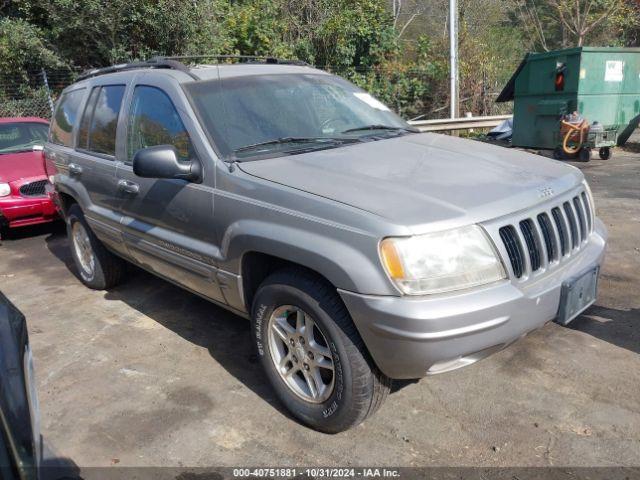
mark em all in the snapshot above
pixel 22 137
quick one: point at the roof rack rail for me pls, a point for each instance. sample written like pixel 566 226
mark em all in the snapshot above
pixel 241 58
pixel 174 63
pixel 156 62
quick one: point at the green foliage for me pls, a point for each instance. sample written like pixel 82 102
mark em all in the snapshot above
pixel 93 33
pixel 355 33
pixel 324 32
pixel 22 50
pixel 410 87
pixel 257 28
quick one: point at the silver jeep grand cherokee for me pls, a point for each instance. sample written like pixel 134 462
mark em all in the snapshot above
pixel 361 250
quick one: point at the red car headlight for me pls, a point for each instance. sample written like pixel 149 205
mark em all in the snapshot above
pixel 5 189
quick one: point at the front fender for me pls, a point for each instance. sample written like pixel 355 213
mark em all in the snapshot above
pixel 348 259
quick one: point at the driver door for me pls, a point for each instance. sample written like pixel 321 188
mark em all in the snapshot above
pixel 168 223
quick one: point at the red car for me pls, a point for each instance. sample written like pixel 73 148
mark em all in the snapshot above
pixel 23 198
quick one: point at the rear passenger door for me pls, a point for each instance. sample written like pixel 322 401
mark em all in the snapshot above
pixel 93 163
pixel 168 224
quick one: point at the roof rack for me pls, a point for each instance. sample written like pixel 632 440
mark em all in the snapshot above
pixel 240 58
pixel 174 63
pixel 156 62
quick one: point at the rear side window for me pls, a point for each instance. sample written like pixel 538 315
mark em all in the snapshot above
pixel 85 123
pixel 65 117
pixel 154 120
pixel 103 113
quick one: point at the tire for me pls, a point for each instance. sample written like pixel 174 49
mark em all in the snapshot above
pixel 558 153
pixel 105 270
pixel 584 155
pixel 605 153
pixel 358 387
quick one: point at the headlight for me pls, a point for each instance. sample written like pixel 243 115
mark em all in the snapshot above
pixel 441 261
pixel 5 189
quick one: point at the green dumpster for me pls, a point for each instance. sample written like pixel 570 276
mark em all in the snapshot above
pixel 601 84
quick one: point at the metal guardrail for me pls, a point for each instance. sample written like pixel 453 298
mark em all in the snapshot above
pixel 464 123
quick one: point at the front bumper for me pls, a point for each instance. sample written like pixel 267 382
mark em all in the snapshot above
pixel 22 211
pixel 410 337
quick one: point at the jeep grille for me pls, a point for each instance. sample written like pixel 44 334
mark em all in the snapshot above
pixel 550 236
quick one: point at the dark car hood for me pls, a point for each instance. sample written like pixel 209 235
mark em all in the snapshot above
pixel 14 166
pixel 419 179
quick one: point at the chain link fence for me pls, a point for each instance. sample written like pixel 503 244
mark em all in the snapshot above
pixel 33 94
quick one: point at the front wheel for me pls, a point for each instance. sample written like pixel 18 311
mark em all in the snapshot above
pixel 585 154
pixel 98 268
pixel 558 153
pixel 312 353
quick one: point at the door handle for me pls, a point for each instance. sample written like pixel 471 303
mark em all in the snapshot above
pixel 128 187
pixel 75 169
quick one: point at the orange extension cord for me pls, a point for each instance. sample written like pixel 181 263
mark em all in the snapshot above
pixel 581 129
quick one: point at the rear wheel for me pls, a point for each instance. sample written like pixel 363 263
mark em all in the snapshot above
pixel 98 268
pixel 312 353
pixel 605 153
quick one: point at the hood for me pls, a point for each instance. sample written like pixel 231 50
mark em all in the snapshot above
pixel 15 166
pixel 423 181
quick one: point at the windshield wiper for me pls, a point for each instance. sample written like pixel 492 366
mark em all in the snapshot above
pixel 19 150
pixel 29 147
pixel 379 127
pixel 290 140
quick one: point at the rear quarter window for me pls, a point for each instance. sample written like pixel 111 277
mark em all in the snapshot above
pixel 65 117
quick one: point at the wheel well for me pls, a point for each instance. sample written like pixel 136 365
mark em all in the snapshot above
pixel 66 201
pixel 257 266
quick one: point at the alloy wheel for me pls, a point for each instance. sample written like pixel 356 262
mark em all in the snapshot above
pixel 82 247
pixel 301 354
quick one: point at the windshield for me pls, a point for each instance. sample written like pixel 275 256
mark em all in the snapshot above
pixel 254 116
pixel 22 137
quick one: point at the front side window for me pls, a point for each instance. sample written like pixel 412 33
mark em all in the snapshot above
pixel 22 136
pixel 282 114
pixel 154 120
pixel 65 117
pixel 104 121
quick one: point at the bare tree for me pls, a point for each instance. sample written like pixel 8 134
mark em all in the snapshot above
pixel 404 13
pixel 580 17
pixel 533 27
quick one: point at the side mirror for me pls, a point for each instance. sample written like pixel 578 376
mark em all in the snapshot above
pixel 162 161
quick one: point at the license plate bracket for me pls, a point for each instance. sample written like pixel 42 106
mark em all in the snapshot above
pixel 578 293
